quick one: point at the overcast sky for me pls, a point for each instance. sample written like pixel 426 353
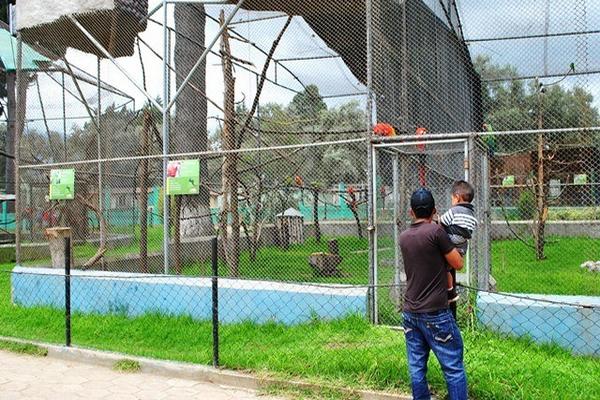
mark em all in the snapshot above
pixel 480 18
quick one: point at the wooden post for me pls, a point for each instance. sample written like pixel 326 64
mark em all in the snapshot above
pixel 144 170
pixel 56 242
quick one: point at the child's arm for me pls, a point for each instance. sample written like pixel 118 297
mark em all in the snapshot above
pixel 448 218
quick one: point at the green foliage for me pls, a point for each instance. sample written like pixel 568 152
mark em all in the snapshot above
pixel 526 205
pixel 512 104
pixel 23 348
pixel 574 214
pixel 126 365
pixel 308 104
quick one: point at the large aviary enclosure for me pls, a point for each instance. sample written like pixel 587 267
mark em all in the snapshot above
pixel 253 121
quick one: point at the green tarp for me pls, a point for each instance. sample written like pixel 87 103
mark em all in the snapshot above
pixel 8 54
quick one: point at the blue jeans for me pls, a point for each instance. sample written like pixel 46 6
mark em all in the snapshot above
pixel 435 331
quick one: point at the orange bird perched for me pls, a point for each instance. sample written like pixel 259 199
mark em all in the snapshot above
pixel 383 129
pixel 298 180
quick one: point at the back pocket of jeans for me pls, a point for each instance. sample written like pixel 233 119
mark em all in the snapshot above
pixel 441 332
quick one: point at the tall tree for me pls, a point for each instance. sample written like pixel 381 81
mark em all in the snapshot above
pixel 510 104
pixel 308 104
pixel 190 130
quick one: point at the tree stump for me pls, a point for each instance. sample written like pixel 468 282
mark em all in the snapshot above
pixel 56 242
pixel 333 247
pixel 325 264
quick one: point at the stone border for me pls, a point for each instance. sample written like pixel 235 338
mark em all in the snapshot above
pixel 190 371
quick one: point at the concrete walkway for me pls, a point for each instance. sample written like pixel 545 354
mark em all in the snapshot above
pixel 25 377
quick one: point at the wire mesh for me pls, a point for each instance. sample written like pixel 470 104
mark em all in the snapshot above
pixel 306 199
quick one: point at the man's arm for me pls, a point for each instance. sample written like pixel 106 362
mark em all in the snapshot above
pixel 455 260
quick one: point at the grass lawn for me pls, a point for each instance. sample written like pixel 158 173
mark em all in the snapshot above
pixel 516 270
pixel 87 250
pixel 346 353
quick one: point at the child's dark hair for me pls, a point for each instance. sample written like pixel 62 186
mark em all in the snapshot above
pixel 464 191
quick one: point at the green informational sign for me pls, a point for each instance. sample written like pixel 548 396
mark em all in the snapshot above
pixel 183 177
pixel 62 184
pixel 581 179
pixel 508 180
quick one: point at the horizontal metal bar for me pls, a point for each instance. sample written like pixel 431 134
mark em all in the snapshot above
pixel 329 56
pixel 431 140
pixel 334 96
pixel 194 154
pixel 248 21
pixel 528 77
pixel 540 36
pixel 546 185
pixel 466 135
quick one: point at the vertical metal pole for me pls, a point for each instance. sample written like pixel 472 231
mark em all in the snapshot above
pixel 371 193
pixel 467 166
pixel 68 291
pixel 101 224
pixel 165 133
pixel 64 110
pixel 17 150
pixel 404 83
pixel 546 30
pixel 215 301
pixel 484 245
pixel 395 224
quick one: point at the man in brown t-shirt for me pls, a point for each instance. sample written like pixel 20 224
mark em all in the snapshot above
pixel 428 323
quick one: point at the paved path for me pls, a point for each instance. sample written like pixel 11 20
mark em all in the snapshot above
pixel 25 377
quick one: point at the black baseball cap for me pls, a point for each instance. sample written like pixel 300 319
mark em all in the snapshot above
pixel 422 202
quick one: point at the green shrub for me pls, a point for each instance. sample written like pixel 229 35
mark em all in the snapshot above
pixel 126 365
pixel 526 204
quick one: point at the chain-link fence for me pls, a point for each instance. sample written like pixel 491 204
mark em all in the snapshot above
pixel 151 128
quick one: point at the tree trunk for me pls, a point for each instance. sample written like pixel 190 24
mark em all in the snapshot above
pixel 357 219
pixel 230 179
pixel 144 169
pixel 76 215
pixel 541 187
pixel 190 130
pixel 315 193
pixel 257 224
pixel 542 202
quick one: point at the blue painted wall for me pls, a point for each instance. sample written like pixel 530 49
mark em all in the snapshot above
pixel 135 295
pixel 574 328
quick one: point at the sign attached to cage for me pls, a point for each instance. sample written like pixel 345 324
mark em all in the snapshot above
pixel 508 180
pixel 183 177
pixel 554 188
pixel 580 179
pixel 62 184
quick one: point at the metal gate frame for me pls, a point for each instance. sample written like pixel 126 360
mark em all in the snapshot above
pixel 392 148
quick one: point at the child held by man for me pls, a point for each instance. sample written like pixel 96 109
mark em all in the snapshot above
pixel 459 222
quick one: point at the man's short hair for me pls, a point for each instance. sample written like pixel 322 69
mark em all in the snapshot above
pixel 422 203
pixel 464 191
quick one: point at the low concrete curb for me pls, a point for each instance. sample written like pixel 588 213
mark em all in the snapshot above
pixel 189 371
